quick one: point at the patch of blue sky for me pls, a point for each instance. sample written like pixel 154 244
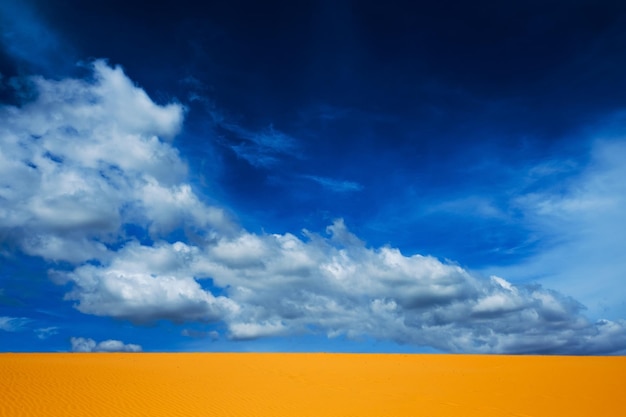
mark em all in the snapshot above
pixel 31 42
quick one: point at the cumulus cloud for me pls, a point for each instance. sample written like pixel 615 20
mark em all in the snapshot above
pixel 281 284
pixel 81 344
pixel 144 284
pixel 87 157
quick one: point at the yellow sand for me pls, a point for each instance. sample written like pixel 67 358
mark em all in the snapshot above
pixel 320 385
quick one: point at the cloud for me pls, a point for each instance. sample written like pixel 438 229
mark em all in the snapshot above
pixel 85 158
pixel 198 334
pixel 81 344
pixel 144 284
pixel 283 285
pixel 46 332
pixel 339 186
pixel 13 324
pixel 261 149
pixel 580 219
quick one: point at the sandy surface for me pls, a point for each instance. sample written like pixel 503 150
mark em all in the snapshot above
pixel 320 385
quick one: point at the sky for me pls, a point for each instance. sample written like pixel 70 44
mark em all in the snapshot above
pixel 340 176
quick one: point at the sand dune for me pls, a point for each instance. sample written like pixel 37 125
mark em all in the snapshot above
pixel 105 384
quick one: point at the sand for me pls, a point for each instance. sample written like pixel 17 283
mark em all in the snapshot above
pixel 298 385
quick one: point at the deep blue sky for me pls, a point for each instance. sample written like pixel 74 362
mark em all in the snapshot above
pixel 314 175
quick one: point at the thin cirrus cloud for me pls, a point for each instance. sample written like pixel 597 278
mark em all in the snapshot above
pixel 46 332
pixel 335 185
pixel 261 149
pixel 580 222
pixel 89 157
pixel 13 324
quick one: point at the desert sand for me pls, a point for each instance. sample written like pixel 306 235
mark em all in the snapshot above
pixel 321 385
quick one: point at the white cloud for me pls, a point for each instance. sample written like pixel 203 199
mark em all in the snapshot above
pixel 86 157
pixel 254 330
pixel 339 287
pixel 144 284
pixel 81 344
pixel 164 207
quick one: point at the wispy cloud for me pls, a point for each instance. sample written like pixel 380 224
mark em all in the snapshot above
pixel 581 221
pixel 198 334
pixel 46 332
pixel 262 148
pixel 340 186
pixel 13 324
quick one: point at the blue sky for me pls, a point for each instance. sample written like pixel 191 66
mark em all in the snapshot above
pixel 313 176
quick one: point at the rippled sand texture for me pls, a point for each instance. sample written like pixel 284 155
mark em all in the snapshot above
pixel 320 385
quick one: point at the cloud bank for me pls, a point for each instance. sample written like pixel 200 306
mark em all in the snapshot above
pixel 88 158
